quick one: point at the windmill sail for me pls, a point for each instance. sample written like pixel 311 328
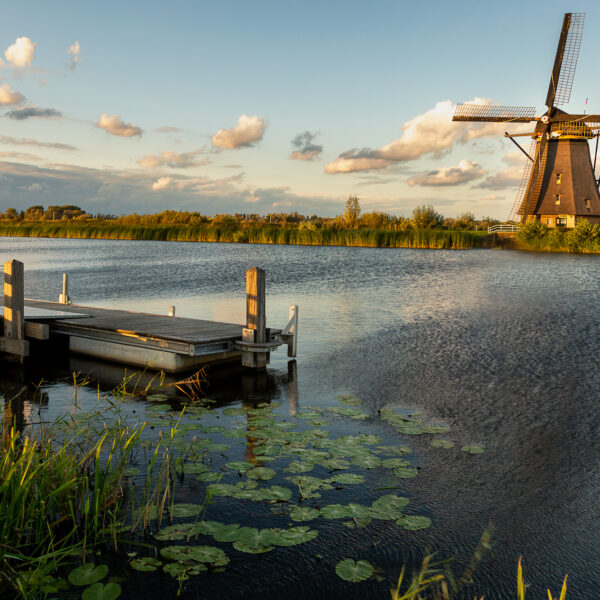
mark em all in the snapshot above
pixel 565 62
pixel 494 114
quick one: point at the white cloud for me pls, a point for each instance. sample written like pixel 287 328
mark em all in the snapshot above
pixel 464 172
pixel 170 158
pixel 8 96
pixel 74 52
pixel 113 125
pixel 509 177
pixel 251 198
pixel 161 183
pixel 247 131
pixel 432 132
pixel 34 187
pixel 21 53
pixel 305 149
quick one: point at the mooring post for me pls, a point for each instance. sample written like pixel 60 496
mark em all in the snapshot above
pixel 14 310
pixel 171 311
pixel 256 319
pixel 64 297
pixel 293 342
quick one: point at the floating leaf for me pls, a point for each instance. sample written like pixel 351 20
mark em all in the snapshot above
pixel 414 522
pixel 202 554
pixel 232 412
pixel 401 450
pixel 348 399
pixel 473 449
pixel 192 468
pixel 352 571
pixel 447 444
pixel 97 591
pixel 366 461
pixel 227 533
pixel 262 473
pixel 392 463
pixel 146 563
pixel 277 492
pixel 297 466
pixel 358 523
pixel 348 478
pixel 186 510
pixel 87 574
pixel 405 473
pixel 334 511
pixel 389 507
pixel 304 513
pixel 181 571
pixel 252 549
pixel 292 536
pixel 208 476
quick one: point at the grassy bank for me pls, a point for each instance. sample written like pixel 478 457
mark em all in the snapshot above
pixel 250 234
pixel 583 239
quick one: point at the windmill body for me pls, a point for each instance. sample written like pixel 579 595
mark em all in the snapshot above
pixel 559 185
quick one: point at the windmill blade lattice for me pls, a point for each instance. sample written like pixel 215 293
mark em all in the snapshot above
pixel 494 114
pixel 564 84
pixel 514 213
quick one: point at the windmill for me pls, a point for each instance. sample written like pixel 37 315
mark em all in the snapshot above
pixel 559 184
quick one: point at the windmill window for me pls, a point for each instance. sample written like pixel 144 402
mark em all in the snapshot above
pixel 558 178
pixel 549 222
pixel 557 199
pixel 561 221
pixel 588 204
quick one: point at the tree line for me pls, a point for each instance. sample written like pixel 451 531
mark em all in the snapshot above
pixel 423 217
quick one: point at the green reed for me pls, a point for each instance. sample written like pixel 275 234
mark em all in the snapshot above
pixel 249 233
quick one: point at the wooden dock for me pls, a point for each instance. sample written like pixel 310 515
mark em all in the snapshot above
pixel 167 343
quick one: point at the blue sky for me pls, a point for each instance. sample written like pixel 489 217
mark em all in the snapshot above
pixel 270 106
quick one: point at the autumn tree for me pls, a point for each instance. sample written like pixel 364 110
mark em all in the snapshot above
pixel 352 212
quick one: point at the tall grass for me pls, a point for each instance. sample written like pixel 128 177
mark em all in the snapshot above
pixel 252 234
pixel 63 490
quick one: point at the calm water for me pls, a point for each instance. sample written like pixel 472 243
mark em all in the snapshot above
pixel 502 346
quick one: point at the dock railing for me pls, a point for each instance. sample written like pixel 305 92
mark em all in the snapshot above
pixel 504 228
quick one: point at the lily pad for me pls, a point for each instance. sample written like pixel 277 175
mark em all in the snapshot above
pixel 182 571
pixel 348 478
pixel 352 571
pixel 262 473
pixel 146 563
pixel 447 444
pixel 298 466
pixel 414 522
pixel 473 449
pixel 208 476
pixel 304 513
pixel 186 510
pixel 292 536
pixel 200 554
pixel 252 549
pixel 97 591
pixel 87 574
pixel 241 466
pixel 348 399
pixel 405 473
pixel 366 461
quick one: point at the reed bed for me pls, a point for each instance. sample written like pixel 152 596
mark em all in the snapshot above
pixel 250 234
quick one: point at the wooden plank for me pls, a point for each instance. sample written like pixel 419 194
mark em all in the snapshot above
pixel 37 331
pixel 18 348
pixel 256 317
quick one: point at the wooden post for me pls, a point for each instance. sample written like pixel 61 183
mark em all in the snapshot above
pixel 171 311
pixel 256 319
pixel 293 343
pixel 64 297
pixel 14 310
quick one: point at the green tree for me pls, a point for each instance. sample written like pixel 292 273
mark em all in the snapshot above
pixel 352 212
pixel 465 221
pixel 425 217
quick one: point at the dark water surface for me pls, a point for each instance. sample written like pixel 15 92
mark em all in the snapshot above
pixel 501 346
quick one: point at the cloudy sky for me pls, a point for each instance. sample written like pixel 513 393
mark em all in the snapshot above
pixel 273 106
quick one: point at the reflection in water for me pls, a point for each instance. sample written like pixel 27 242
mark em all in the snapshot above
pixel 502 346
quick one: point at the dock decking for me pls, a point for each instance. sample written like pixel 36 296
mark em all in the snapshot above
pixel 161 342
